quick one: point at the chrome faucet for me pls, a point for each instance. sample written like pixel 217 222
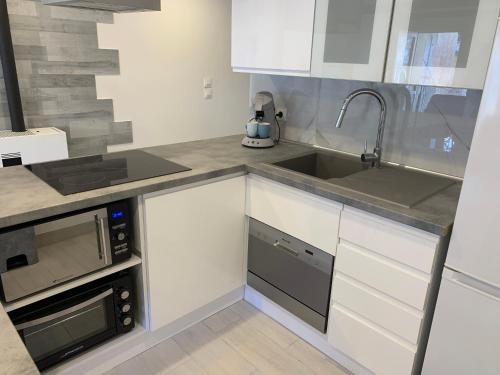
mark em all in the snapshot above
pixel 375 157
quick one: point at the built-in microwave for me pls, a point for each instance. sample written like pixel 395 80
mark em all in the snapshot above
pixel 44 254
pixel 64 325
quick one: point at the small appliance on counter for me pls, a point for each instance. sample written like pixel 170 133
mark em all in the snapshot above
pixel 64 325
pixel 32 146
pixel 263 130
pixel 21 145
pixel 41 255
pixel 94 172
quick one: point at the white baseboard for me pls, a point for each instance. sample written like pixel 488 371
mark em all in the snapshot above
pixel 104 357
pixel 302 329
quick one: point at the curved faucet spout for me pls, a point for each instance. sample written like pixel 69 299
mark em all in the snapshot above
pixel 376 156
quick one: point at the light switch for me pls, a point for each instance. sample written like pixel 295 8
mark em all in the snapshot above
pixel 208 82
pixel 208 93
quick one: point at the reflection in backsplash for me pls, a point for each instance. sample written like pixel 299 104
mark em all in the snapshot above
pixel 427 127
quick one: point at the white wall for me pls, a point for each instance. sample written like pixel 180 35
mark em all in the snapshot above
pixel 163 58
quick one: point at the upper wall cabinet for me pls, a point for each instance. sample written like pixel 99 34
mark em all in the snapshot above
pixel 442 42
pixel 272 36
pixel 350 39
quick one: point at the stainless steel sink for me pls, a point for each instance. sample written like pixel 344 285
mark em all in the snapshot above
pixel 323 165
pixel 396 185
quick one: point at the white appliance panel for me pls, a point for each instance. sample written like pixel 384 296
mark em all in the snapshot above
pixel 33 146
pixel 474 248
pixel 465 334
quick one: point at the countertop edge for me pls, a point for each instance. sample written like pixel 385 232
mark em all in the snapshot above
pixel 46 212
pixel 439 230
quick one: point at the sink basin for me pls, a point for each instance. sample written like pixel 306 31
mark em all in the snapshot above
pixel 392 184
pixel 323 165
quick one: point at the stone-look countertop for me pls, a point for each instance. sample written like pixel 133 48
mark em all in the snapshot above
pixel 15 358
pixel 24 197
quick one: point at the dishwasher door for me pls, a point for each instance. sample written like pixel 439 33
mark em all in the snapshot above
pixel 290 272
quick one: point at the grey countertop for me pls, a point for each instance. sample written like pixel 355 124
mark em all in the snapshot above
pixel 15 357
pixel 24 197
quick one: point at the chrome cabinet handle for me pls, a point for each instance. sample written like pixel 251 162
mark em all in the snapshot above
pixel 279 245
pixel 62 313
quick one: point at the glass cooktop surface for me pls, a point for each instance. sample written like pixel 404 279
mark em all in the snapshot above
pixel 76 175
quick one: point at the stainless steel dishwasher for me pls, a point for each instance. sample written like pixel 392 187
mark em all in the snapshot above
pixel 290 272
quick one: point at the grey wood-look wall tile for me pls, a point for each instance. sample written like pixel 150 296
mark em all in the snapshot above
pixel 57 56
pixel 96 16
pixel 52 25
pixel 71 67
pixel 26 8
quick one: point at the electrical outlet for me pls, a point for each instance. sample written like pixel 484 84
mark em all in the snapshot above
pixel 283 112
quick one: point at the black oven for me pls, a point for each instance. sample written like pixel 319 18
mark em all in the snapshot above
pixel 66 324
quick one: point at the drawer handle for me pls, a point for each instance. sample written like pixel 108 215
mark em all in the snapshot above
pixel 279 245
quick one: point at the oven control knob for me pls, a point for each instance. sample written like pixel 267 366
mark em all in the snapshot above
pixel 126 321
pixel 124 294
pixel 121 236
pixel 125 308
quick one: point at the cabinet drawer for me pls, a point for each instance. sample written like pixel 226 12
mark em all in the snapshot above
pixel 372 348
pixel 377 308
pixel 402 243
pixel 385 276
pixel 310 218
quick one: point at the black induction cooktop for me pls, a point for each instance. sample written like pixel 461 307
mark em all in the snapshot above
pixel 76 175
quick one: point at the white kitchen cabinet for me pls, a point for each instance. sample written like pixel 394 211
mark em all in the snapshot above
pixel 441 42
pixel 272 36
pixel 195 244
pixel 401 243
pixel 378 308
pixel 384 286
pixel 310 218
pixel 388 277
pixel 364 342
pixel 350 39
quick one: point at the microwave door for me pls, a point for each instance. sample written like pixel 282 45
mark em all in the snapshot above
pixel 67 248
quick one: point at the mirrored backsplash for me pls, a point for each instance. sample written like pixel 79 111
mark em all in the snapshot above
pixel 430 128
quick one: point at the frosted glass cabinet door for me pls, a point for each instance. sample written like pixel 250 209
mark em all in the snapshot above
pixel 442 42
pixel 350 39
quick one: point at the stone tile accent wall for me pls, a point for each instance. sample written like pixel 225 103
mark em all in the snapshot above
pixel 57 58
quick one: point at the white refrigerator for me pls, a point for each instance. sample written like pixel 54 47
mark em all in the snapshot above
pixel 465 333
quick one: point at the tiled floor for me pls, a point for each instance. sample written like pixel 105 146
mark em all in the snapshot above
pixel 239 340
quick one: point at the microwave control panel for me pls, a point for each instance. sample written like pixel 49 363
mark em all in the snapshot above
pixel 120 230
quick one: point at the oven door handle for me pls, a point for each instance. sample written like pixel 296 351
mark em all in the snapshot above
pixel 64 312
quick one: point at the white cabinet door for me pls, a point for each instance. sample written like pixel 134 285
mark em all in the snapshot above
pixel 308 217
pixel 272 36
pixel 442 42
pixel 375 349
pixel 195 245
pixel 350 39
